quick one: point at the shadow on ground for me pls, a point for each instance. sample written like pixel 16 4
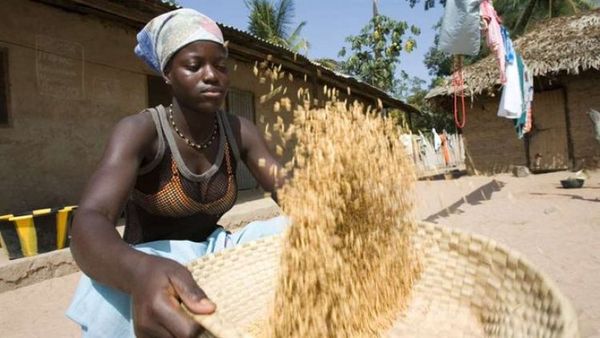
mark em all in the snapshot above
pixel 478 195
pixel 573 196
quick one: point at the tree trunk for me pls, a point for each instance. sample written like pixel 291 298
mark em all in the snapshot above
pixel 375 9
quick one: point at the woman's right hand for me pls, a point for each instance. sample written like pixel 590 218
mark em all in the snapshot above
pixel 159 287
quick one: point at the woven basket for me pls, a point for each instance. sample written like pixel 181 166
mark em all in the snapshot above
pixel 470 286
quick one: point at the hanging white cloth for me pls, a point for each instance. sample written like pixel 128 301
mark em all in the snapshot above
pixel 437 141
pixel 595 116
pixel 511 102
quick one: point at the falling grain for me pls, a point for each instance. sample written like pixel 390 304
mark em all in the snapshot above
pixel 347 265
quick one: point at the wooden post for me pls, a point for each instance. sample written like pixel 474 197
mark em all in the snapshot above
pixel 570 148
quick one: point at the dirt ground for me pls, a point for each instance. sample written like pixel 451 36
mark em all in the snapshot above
pixel 557 229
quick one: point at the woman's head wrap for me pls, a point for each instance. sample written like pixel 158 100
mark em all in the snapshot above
pixel 167 33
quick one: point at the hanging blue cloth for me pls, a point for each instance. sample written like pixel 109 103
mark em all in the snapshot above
pixel 508 45
pixel 523 83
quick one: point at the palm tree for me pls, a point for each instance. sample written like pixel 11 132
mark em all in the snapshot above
pixel 519 15
pixel 272 22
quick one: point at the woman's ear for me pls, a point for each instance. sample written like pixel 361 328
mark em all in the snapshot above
pixel 167 79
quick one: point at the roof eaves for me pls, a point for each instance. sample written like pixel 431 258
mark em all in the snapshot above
pixel 278 49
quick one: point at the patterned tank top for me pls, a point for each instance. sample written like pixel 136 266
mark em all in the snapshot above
pixel 181 205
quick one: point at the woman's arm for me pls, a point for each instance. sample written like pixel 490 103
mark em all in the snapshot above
pixel 155 284
pixel 96 245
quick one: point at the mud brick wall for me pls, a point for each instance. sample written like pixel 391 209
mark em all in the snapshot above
pixel 583 94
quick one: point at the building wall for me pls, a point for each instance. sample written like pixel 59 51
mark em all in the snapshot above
pixel 242 77
pixel 67 90
pixel 583 94
pixel 71 78
pixel 491 143
pixel 295 88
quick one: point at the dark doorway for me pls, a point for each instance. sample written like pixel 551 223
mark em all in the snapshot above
pixel 158 91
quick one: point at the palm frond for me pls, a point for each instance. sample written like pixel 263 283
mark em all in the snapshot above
pixel 283 17
pixel 272 22
pixel 296 33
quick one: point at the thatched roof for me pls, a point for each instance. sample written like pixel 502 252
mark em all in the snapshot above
pixel 566 44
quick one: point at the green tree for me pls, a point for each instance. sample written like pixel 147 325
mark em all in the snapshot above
pixel 272 22
pixel 520 15
pixel 375 52
pixel 407 86
pixel 431 116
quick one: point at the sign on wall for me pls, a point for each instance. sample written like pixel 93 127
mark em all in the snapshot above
pixel 59 68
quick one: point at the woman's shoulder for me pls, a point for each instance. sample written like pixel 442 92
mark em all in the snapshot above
pixel 139 124
pixel 138 130
pixel 245 131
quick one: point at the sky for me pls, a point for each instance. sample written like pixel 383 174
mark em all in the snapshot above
pixel 329 22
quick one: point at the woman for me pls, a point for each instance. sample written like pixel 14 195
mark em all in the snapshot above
pixel 173 172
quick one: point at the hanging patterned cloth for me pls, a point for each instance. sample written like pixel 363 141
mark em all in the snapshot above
pixel 494 35
pixel 517 90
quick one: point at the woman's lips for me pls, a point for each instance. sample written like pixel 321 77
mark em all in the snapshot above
pixel 212 92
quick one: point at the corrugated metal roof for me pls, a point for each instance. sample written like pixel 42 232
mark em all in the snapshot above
pixel 146 9
pixel 302 58
pixel 173 4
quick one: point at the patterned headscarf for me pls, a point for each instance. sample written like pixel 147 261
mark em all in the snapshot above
pixel 167 33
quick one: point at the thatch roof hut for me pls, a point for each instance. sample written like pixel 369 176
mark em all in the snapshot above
pixel 568 44
pixel 564 56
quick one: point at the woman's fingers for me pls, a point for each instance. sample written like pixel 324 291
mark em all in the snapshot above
pixel 157 302
pixel 151 328
pixel 176 321
pixel 190 294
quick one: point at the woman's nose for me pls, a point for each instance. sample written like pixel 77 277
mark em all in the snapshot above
pixel 209 74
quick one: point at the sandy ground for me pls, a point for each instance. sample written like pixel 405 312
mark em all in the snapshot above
pixel 557 229
pixel 38 310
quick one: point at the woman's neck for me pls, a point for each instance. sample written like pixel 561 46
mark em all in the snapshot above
pixel 194 124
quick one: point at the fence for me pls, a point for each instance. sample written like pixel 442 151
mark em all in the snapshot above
pixel 435 155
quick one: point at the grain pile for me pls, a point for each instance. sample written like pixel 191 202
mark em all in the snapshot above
pixel 347 265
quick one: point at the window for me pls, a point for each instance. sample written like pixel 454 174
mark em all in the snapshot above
pixel 3 86
pixel 240 102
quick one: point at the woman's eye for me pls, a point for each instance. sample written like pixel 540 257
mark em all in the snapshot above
pixel 193 67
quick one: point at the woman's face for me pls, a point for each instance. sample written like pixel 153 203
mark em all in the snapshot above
pixel 198 76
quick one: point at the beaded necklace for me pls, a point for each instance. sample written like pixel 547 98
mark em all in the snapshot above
pixel 188 141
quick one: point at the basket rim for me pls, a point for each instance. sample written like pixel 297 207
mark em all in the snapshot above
pixel 571 325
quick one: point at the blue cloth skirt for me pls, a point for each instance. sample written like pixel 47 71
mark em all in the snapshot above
pixel 102 311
